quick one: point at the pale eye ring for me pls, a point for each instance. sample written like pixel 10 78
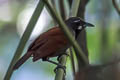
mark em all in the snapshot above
pixel 79 27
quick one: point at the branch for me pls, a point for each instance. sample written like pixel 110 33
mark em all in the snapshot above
pixel 24 38
pixel 82 36
pixel 74 8
pixel 72 60
pixel 60 74
pixel 116 6
pixel 73 12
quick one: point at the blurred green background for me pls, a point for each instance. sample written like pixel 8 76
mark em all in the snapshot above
pixel 103 40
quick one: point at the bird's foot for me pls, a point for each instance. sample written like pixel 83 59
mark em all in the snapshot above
pixel 59 66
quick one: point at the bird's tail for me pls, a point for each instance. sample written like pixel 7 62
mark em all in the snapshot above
pixel 22 60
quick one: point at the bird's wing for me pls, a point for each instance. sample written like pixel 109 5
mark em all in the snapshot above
pixel 47 44
pixel 50 47
pixel 43 38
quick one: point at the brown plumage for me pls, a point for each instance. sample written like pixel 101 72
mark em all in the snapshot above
pixel 44 46
pixel 53 42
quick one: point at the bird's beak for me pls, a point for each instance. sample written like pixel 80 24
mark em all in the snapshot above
pixel 88 24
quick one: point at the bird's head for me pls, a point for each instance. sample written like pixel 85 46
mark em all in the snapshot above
pixel 77 24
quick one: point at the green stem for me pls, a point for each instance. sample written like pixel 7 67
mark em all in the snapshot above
pixel 74 8
pixel 60 74
pixel 72 60
pixel 24 38
pixel 73 12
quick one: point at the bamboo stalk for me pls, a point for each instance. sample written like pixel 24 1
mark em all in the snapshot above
pixel 73 12
pixel 24 38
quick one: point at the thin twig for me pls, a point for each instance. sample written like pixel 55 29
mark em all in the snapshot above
pixel 24 39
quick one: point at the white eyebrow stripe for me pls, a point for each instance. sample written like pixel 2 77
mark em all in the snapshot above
pixel 77 21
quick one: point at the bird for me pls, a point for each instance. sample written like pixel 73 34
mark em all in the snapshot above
pixel 53 43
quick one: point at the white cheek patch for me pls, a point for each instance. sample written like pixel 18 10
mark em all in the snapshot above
pixel 80 27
